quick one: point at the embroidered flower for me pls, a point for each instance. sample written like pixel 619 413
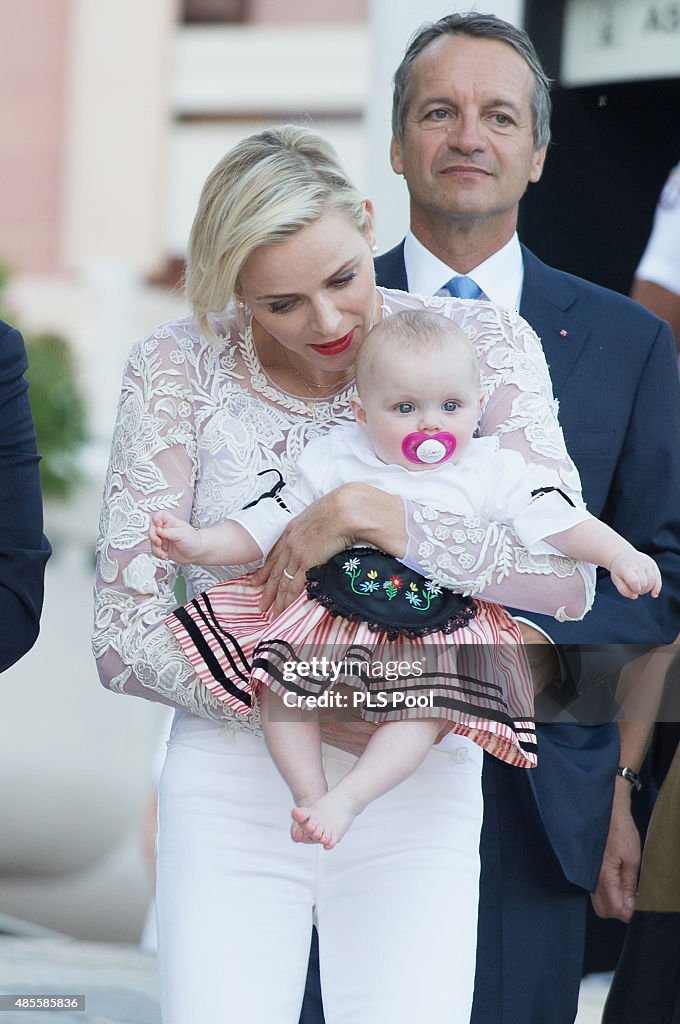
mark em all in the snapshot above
pixel 137 440
pixel 433 588
pixel 125 523
pixel 368 586
pixel 372 574
pixel 413 586
pixel 429 513
pixel 465 561
pixel 177 357
pixel 140 575
pixel 351 565
pixel 413 599
pixel 392 586
pixel 471 522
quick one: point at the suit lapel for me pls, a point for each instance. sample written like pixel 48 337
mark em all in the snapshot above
pixel 550 305
pixel 390 270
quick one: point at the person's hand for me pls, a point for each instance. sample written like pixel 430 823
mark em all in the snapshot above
pixel 312 537
pixel 541 656
pixel 173 538
pixel 341 519
pixel 617 883
pixel 634 573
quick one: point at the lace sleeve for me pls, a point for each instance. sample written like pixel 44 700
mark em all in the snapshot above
pixel 469 554
pixel 153 466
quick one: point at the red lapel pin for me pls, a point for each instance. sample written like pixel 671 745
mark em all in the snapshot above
pixel 563 333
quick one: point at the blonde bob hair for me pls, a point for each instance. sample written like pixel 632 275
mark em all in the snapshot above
pixel 264 190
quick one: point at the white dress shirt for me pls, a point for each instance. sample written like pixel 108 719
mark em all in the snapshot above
pixel 500 276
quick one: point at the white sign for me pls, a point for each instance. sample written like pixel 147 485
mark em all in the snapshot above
pixel 620 40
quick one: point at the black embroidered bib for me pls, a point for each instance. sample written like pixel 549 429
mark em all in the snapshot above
pixel 366 585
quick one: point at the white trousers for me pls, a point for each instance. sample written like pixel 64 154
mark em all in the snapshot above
pixel 395 901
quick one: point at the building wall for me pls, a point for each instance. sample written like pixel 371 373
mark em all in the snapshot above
pixel 117 115
pixel 115 111
pixel 231 81
pixel 33 81
pixel 310 12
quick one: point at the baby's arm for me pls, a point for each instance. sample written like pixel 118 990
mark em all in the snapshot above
pixel 632 572
pixel 228 543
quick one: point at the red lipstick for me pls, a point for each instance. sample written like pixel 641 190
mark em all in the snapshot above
pixel 333 348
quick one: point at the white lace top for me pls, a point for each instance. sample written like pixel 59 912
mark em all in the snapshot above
pixel 198 420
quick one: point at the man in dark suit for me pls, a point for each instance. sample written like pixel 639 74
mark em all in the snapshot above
pixel 23 548
pixel 471 128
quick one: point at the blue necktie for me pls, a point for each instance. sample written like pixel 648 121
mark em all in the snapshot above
pixel 462 288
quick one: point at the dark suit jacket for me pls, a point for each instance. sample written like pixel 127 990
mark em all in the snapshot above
pixel 23 548
pixel 614 373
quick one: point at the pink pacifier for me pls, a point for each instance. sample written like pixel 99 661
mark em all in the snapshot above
pixel 420 447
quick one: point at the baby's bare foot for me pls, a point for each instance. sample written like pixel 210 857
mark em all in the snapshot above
pixel 326 820
pixel 297 833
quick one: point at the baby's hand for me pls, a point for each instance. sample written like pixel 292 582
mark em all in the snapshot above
pixel 634 573
pixel 173 538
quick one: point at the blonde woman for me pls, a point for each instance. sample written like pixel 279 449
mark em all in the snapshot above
pixel 214 410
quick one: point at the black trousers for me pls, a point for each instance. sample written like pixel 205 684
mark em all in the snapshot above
pixel 646 985
pixel 530 941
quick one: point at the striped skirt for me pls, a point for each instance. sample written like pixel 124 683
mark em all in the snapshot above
pixel 477 679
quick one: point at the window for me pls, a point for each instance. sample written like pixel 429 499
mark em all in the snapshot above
pixel 214 11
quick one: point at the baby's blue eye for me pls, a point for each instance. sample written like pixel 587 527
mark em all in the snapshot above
pixel 405 407
pixel 450 406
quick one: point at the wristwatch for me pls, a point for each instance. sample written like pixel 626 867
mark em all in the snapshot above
pixel 630 776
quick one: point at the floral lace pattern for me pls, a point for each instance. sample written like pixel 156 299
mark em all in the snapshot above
pixel 198 420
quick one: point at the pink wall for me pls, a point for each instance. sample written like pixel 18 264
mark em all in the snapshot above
pixel 286 12
pixel 32 129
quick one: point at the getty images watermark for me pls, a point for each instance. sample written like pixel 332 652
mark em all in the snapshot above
pixel 329 671
pixel 587 684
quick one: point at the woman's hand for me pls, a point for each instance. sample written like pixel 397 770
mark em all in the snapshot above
pixel 348 515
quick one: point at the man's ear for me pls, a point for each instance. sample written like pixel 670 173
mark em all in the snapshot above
pixel 395 157
pixel 358 410
pixel 537 162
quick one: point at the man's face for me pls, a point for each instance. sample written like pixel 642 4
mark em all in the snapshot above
pixel 467 153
